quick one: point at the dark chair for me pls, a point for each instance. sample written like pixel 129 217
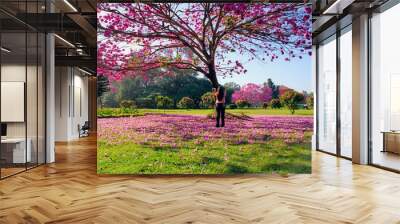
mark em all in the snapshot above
pixel 84 130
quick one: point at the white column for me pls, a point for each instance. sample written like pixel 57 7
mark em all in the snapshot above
pixel 360 90
pixel 314 81
pixel 50 94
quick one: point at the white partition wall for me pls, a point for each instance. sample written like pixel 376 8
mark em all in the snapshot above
pixel 71 102
pixel 12 98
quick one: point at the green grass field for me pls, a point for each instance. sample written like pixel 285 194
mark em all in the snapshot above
pixel 115 112
pixel 247 111
pixel 210 158
pixel 131 145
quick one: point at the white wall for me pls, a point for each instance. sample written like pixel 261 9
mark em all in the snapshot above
pixel 71 102
pixel 62 82
pixel 33 126
pixel 80 109
pixel 12 73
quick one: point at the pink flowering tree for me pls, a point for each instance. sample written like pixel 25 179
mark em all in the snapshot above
pixel 134 38
pixel 253 93
pixel 266 94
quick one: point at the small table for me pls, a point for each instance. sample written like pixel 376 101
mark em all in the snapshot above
pixel 16 154
pixel 391 141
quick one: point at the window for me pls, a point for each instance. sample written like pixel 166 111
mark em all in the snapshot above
pixel 327 95
pixel 346 93
pixel 385 89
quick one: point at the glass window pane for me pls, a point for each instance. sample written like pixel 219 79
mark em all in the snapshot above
pixel 346 94
pixel 13 86
pixel 32 97
pixel 41 99
pixel 23 87
pixel 327 96
pixel 385 84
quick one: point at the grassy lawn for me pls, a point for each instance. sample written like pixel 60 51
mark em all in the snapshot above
pixel 273 156
pixel 183 144
pixel 247 111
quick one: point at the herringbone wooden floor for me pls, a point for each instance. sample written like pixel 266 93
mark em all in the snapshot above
pixel 70 191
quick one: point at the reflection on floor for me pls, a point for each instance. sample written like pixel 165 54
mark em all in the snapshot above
pixel 8 170
pixel 387 159
pixel 70 191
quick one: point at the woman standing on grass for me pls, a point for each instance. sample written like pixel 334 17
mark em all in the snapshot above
pixel 220 105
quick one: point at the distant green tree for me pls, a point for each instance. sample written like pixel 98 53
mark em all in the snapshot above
pixel 274 88
pixel 310 101
pixel 207 100
pixel 154 96
pixel 127 104
pixel 290 99
pixel 110 99
pixel 146 102
pixel 275 104
pixel 103 86
pixel 230 88
pixel 132 88
pixel 242 103
pixel 164 102
pixel 180 85
pixel 186 103
pixel 232 106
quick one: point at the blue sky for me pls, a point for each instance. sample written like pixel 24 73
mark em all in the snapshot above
pixel 296 74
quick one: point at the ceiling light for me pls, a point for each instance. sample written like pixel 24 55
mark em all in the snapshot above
pixel 86 72
pixel 64 40
pixel 70 5
pixel 79 51
pixel 5 50
pixel 338 6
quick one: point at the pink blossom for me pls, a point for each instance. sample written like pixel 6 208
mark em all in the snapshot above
pixel 137 37
pixel 172 130
pixel 253 93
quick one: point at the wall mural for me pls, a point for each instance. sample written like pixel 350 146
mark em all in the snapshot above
pixel 183 88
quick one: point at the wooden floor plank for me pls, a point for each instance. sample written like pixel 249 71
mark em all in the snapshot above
pixel 70 191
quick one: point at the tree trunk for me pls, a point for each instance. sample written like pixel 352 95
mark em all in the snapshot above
pixel 212 75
